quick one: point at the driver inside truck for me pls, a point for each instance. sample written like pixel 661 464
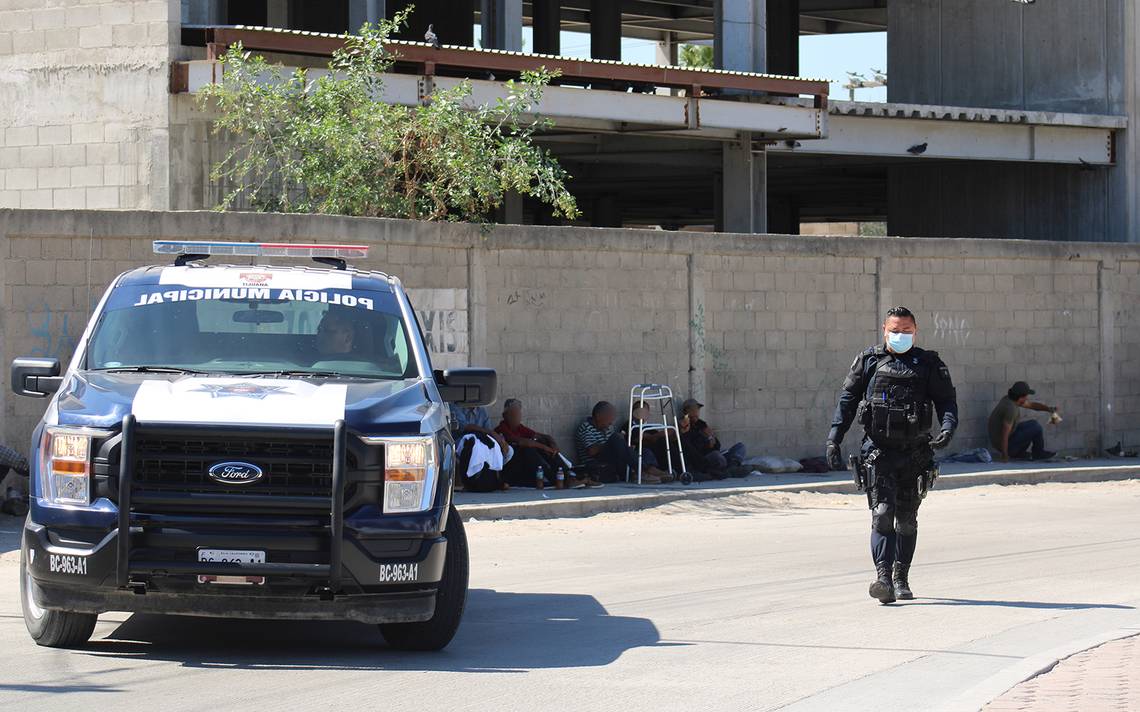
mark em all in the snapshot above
pixel 336 333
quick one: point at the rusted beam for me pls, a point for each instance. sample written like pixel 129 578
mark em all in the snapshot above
pixel 490 60
pixel 179 77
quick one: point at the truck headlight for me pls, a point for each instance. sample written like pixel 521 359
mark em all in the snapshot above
pixel 410 466
pixel 65 465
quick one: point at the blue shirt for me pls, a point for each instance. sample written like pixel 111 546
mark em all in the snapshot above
pixel 471 416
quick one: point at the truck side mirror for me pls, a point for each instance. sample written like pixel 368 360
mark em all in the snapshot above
pixel 35 377
pixel 467 387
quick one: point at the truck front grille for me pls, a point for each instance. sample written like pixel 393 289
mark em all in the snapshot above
pixel 292 467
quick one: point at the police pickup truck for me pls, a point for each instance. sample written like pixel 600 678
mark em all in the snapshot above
pixel 247 441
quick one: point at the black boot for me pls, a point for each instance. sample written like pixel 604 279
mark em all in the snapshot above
pixel 882 587
pixel 902 586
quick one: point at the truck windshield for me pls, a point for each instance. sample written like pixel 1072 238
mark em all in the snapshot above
pixel 253 330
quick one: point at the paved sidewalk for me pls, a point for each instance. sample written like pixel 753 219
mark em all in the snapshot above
pixel 1104 678
pixel 525 502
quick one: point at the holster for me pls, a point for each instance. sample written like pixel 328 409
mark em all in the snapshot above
pixel 927 469
pixel 859 472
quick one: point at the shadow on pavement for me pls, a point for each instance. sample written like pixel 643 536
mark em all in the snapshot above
pixel 1013 604
pixel 62 688
pixel 10 528
pixel 501 632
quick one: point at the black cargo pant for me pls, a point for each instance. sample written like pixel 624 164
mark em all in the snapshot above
pixel 894 496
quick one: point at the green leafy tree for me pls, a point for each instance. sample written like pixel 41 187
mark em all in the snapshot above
pixel 696 56
pixel 325 142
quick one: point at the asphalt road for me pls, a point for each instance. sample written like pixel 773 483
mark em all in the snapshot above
pixel 753 602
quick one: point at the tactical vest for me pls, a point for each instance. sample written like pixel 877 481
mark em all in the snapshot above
pixel 896 411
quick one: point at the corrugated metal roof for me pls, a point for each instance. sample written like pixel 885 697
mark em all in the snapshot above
pixel 475 50
pixel 975 114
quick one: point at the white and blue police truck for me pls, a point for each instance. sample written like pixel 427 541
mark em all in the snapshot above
pixel 247 441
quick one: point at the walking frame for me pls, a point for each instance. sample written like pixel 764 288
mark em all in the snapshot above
pixel 662 395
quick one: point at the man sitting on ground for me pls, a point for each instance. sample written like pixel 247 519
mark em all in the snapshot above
pixel 1018 440
pixel 602 448
pixel 478 442
pixel 534 450
pixel 703 446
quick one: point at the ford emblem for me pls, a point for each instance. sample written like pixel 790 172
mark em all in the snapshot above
pixel 235 473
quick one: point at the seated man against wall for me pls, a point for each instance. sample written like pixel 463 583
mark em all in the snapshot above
pixel 703 447
pixel 532 451
pixel 483 454
pixel 1014 438
pixel 602 449
pixel 654 441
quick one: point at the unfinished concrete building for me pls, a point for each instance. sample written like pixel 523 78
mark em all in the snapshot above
pixel 1003 118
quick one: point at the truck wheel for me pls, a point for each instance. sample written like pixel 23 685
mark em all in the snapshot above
pixel 436 632
pixel 53 629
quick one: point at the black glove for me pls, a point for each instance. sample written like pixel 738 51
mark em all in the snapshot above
pixel 833 456
pixel 942 440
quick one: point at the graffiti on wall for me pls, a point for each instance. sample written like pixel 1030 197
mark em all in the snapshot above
pixel 950 328
pixel 50 334
pixel 443 318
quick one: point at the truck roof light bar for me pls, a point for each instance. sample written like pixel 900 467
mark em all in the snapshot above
pixel 190 250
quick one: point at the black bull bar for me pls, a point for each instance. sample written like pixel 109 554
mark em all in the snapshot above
pixel 329 573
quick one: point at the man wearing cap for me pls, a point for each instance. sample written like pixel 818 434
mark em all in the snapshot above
pixel 889 389
pixel 704 447
pixel 1014 439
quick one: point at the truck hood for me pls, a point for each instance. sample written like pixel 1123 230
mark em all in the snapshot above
pixel 97 399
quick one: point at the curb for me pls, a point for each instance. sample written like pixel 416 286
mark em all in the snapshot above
pixel 993 687
pixel 589 506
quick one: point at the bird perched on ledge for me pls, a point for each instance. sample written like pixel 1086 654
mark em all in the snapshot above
pixel 431 37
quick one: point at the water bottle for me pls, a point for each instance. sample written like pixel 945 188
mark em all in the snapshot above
pixel 539 477
pixel 560 479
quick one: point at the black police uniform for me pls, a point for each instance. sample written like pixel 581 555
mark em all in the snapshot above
pixel 890 395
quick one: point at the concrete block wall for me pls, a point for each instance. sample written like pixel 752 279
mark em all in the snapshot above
pixel 781 332
pixel 997 321
pixel 1125 311
pixel 84 94
pixel 761 328
pixel 568 328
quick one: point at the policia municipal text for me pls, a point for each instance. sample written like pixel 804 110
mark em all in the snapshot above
pixel 889 391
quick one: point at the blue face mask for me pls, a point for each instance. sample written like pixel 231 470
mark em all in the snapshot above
pixel 900 343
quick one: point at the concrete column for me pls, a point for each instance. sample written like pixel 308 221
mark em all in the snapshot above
pixel 741 35
pixel 745 198
pixel 667 50
pixel 547 23
pixel 784 37
pixel 605 29
pixel 361 11
pixel 476 306
pixel 740 43
pixel 697 325
pixel 1107 278
pixel 502 24
pixel 1123 63
pixel 277 14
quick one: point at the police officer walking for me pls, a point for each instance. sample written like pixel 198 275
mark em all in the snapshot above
pixel 889 391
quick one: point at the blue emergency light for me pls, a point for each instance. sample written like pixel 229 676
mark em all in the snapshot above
pixel 258 249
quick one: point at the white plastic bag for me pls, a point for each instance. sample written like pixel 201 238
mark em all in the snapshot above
pixel 774 464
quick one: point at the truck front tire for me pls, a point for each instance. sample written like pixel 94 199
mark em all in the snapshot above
pixel 436 632
pixel 52 629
